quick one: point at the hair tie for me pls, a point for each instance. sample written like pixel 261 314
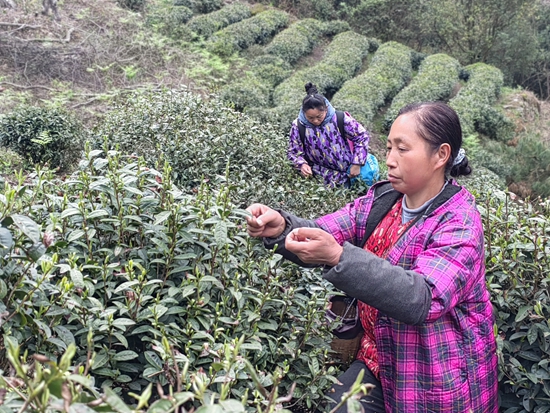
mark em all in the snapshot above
pixel 459 157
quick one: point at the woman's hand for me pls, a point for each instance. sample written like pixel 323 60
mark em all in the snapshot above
pixel 264 222
pixel 305 170
pixel 354 171
pixel 314 246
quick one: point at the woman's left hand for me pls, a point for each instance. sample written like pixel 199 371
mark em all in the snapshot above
pixel 354 171
pixel 314 246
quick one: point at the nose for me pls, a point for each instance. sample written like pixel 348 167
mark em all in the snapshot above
pixel 390 159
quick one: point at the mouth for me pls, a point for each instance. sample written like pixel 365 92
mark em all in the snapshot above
pixel 392 178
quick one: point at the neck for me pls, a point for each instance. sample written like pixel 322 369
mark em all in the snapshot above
pixel 418 199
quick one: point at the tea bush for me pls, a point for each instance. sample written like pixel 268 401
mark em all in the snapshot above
pixel 200 137
pixel 518 258
pixel 170 21
pixel 41 135
pixel 256 30
pixel 389 71
pixel 200 6
pixel 155 283
pixel 343 58
pixel 297 40
pixel 207 24
pixel 436 78
pixel 475 99
pixel 253 90
pixel 252 93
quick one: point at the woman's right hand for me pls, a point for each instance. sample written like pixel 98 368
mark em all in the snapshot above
pixel 305 170
pixel 264 222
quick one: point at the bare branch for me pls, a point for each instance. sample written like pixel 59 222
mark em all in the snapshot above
pixel 19 25
pixel 67 38
pixel 27 87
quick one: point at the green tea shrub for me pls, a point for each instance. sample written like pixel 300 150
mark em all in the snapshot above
pixel 436 78
pixel 170 21
pixel 40 135
pixel 476 98
pixel 530 163
pixel 252 92
pixel 241 35
pixel 342 60
pixel 248 93
pixel 518 258
pixel 494 124
pixel 389 71
pixel 334 27
pixel 482 181
pixel 153 284
pixel 297 40
pixel 200 6
pixel 495 156
pixel 207 24
pixel 200 137
pixel 272 70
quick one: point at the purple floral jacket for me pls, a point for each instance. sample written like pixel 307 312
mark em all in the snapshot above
pixel 328 151
pixel 447 361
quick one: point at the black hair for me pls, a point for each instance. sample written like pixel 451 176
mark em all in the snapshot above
pixel 438 123
pixel 313 99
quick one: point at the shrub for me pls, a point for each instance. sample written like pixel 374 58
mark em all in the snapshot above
pixel 253 91
pixel 200 137
pixel 170 21
pixel 200 6
pixel 248 93
pixel 517 264
pixel 157 283
pixel 297 40
pixel 389 71
pixel 272 70
pixel 207 24
pixel 530 163
pixel 42 135
pixel 476 98
pixel 436 78
pixel 343 58
pixel 241 35
pixel 333 27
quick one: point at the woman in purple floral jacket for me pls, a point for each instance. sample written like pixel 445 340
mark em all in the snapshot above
pixel 411 251
pixel 324 151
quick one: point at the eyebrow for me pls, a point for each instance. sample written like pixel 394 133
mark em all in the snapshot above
pixel 396 140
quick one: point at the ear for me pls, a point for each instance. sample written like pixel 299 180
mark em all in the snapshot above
pixel 443 155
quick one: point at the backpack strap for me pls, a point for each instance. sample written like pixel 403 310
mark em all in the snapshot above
pixel 302 132
pixel 340 122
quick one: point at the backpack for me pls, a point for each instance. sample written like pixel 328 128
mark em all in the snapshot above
pixel 370 171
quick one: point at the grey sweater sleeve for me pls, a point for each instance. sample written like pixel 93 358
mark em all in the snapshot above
pixel 400 294
pixel 292 222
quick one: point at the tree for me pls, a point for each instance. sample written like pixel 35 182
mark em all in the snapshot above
pixel 472 30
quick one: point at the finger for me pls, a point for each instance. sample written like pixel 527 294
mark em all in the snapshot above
pixel 309 233
pixel 296 236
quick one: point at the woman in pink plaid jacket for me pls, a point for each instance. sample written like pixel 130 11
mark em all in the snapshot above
pixel 411 251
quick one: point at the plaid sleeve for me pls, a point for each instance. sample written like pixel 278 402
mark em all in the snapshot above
pixel 348 223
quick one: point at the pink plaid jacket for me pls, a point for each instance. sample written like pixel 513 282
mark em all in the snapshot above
pixel 448 363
